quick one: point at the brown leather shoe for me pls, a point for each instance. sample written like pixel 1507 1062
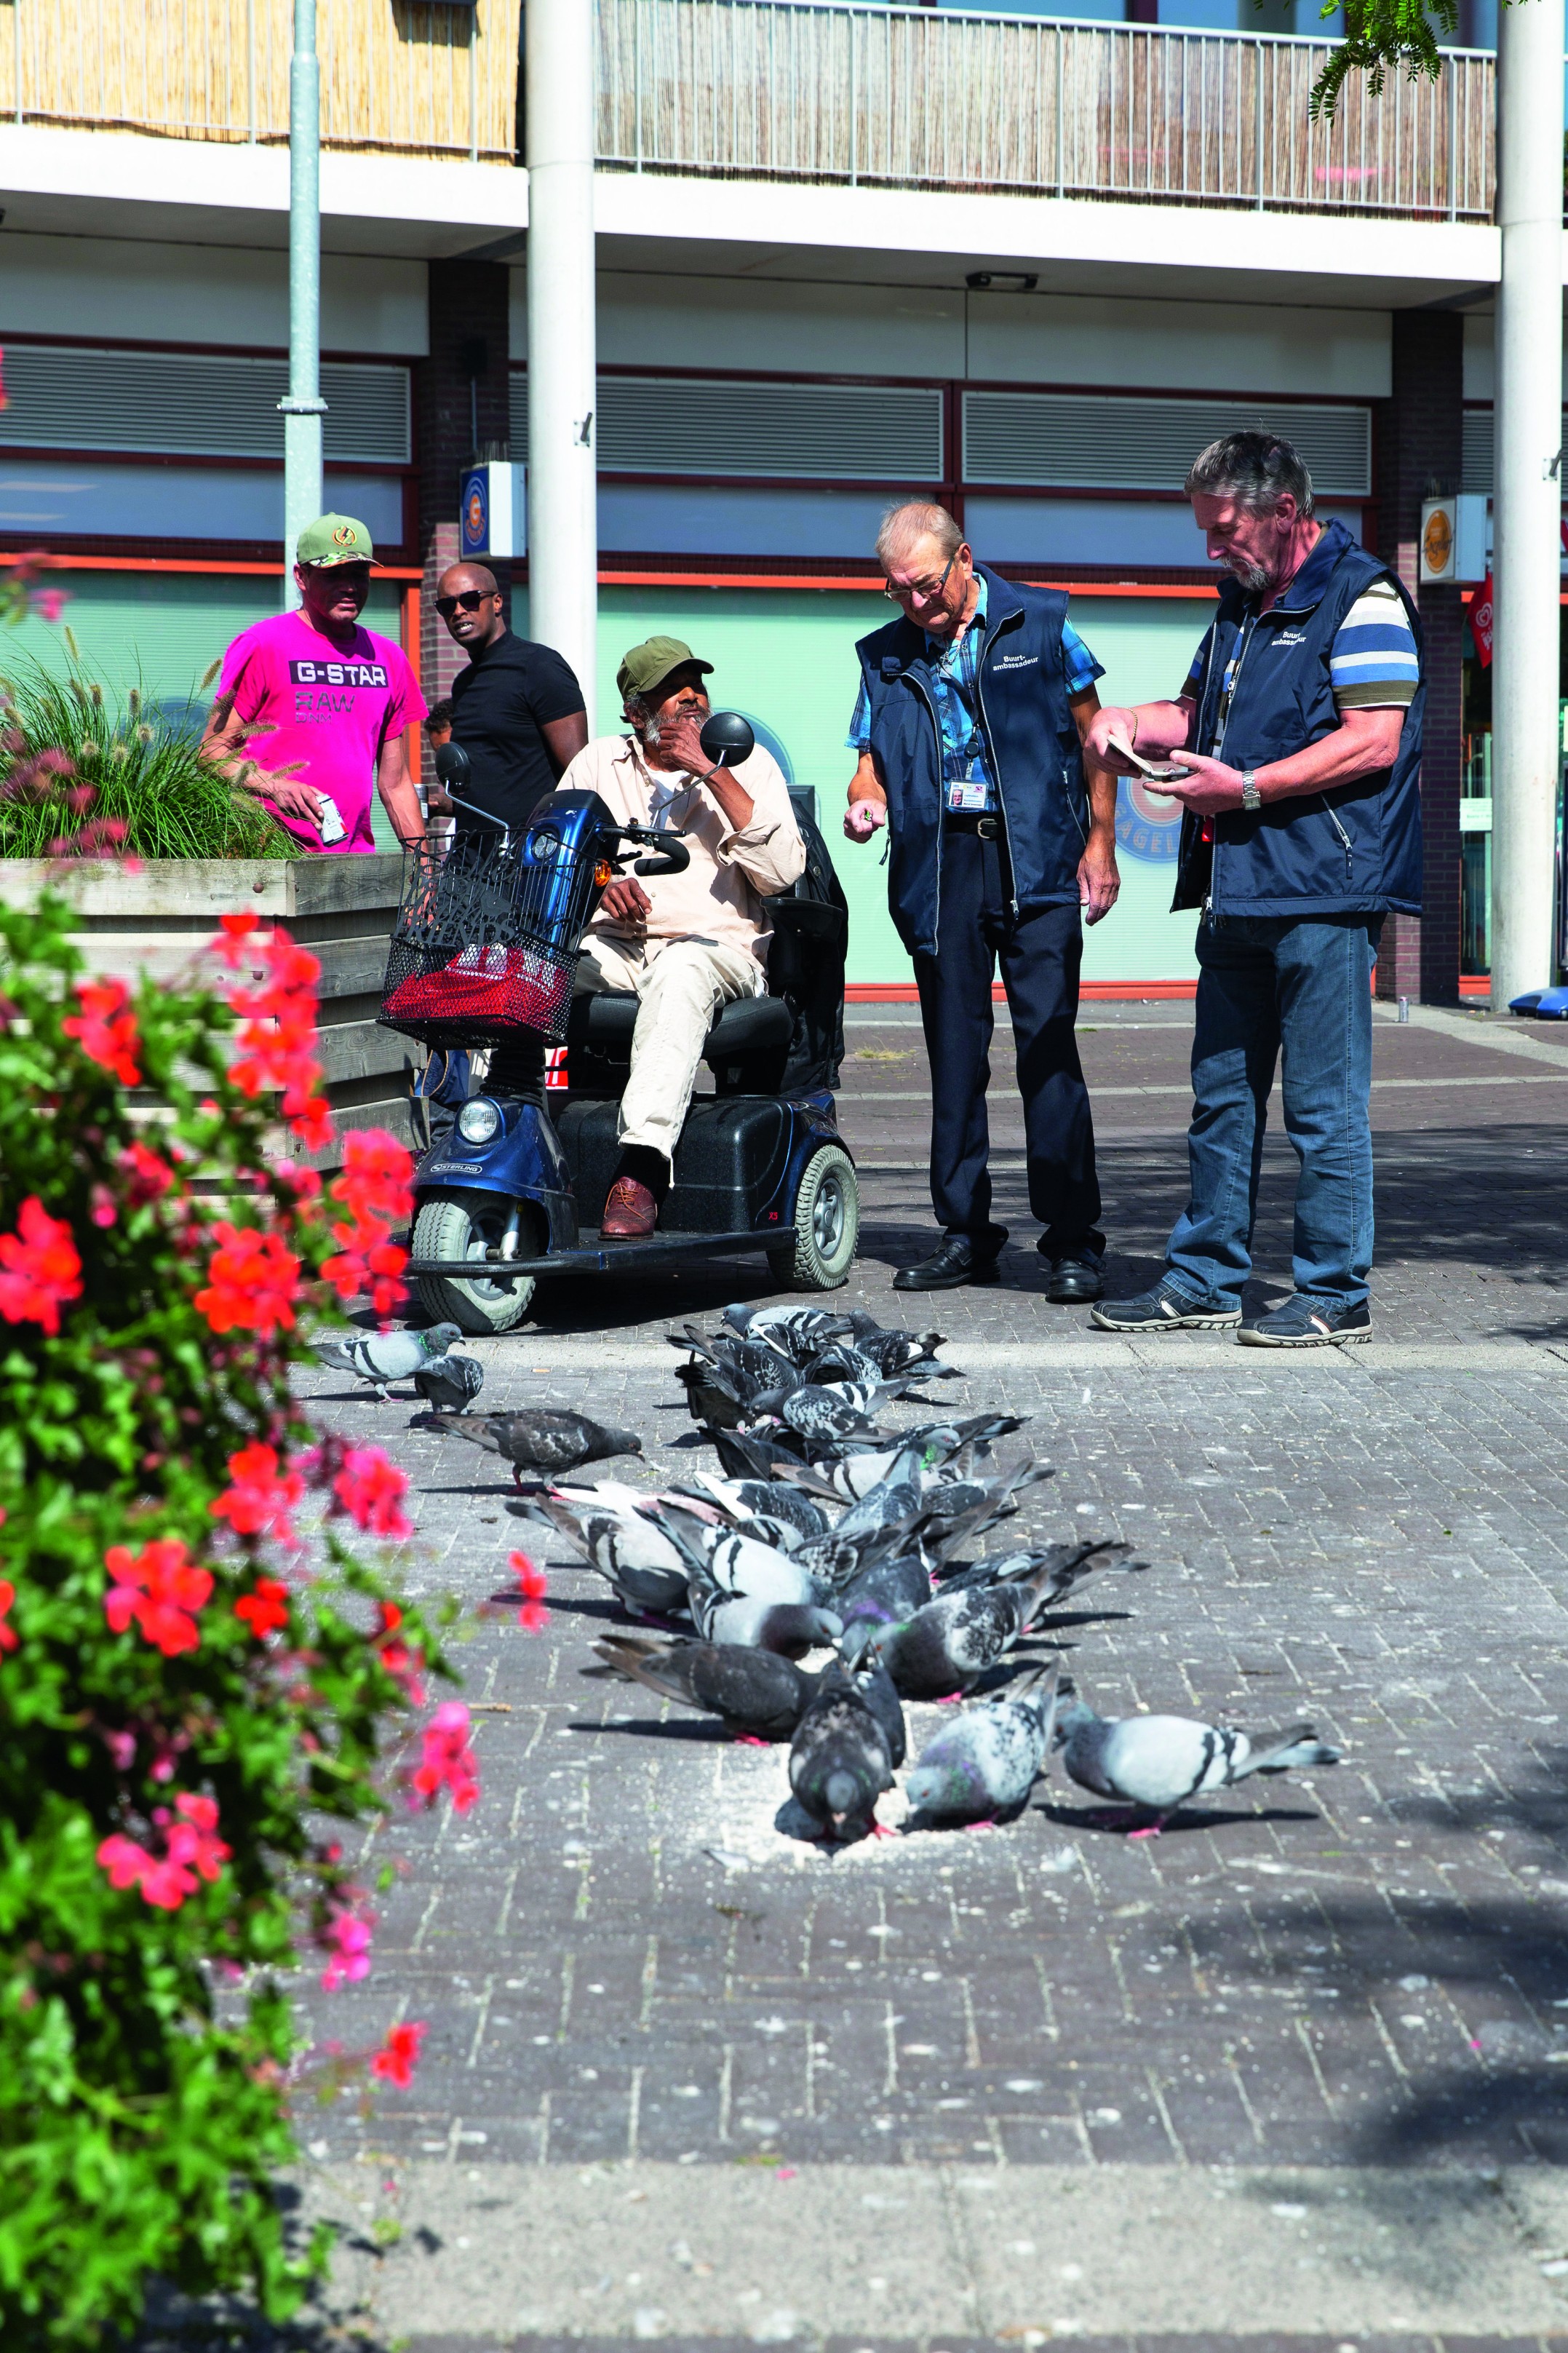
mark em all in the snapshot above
pixel 631 1213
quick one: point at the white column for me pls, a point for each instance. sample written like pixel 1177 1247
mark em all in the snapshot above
pixel 1527 562
pixel 304 408
pixel 562 520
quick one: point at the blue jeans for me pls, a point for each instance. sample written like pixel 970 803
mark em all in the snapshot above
pixel 1266 985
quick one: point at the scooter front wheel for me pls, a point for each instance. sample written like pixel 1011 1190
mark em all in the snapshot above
pixel 826 1225
pixel 471 1225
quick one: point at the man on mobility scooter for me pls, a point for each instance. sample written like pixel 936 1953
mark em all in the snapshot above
pixel 493 934
pixel 687 943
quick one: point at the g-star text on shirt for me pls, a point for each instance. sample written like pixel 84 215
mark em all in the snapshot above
pixel 309 706
pixel 337 674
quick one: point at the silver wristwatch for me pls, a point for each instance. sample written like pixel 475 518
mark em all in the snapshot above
pixel 1251 799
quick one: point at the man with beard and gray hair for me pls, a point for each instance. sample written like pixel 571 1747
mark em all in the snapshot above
pixel 684 944
pixel 1297 737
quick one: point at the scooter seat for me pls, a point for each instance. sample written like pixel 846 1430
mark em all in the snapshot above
pixel 603 1021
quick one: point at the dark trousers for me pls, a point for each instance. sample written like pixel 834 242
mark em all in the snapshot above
pixel 1040 954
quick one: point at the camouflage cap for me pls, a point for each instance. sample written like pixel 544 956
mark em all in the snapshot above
pixel 333 539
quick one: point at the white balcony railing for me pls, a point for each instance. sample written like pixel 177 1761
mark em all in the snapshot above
pixel 917 97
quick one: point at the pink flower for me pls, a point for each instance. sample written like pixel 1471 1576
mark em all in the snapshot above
pixel 8 1637
pixel 192 1851
pixel 51 603
pixel 371 1490
pixel 347 1937
pixel 447 1762
pixel 399 2055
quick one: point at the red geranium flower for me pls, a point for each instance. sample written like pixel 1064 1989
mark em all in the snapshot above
pixel 259 1501
pixel 8 1637
pixel 312 1125
pixel 378 1176
pixel 371 1490
pixel 107 1028
pixel 234 931
pixel 192 1851
pixel 159 1589
pixel 254 1283
pixel 368 1264
pixel 40 1269
pixel 534 1586
pixel 399 2055
pixel 265 1609
pixel 148 1178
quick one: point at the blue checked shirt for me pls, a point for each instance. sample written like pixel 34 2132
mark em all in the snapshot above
pixel 954 673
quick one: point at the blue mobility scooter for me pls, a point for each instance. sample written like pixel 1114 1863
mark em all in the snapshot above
pixel 484 954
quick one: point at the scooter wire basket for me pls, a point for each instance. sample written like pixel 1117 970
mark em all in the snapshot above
pixel 486 942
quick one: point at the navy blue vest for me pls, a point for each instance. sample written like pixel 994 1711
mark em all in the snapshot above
pixel 1354 850
pixel 1031 737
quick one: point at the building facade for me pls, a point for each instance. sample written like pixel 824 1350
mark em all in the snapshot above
pixel 845 254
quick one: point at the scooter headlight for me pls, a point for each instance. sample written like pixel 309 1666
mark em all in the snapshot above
pixel 478 1121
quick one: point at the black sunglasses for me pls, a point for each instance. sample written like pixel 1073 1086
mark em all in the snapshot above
pixel 470 599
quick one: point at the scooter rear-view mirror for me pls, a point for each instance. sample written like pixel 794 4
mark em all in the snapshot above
pixel 727 738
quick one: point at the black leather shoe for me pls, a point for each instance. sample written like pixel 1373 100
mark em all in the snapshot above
pixel 957 1260
pixel 1075 1282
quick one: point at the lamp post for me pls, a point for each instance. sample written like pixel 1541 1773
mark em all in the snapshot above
pixel 1528 495
pixel 303 408
pixel 563 516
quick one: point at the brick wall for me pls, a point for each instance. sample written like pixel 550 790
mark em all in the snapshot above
pixel 1418 450
pixel 463 384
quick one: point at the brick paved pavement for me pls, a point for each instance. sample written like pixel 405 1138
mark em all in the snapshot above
pixel 1216 2082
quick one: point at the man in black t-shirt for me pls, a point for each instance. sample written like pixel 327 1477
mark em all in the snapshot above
pixel 519 709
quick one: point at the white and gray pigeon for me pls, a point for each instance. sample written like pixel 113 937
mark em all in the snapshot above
pixel 542 1440
pixel 381 1357
pixel 1155 1762
pixel 988 1760
pixel 636 1559
pixel 791 1329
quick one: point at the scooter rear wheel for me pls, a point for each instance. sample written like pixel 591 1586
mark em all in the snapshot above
pixel 468 1225
pixel 826 1225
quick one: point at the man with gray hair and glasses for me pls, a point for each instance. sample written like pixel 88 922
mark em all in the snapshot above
pixel 1297 743
pixel 973 708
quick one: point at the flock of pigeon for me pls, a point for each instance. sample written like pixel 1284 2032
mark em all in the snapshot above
pixel 822 1531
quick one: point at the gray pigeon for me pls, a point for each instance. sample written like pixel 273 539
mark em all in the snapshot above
pixel 988 1760
pixel 798 1331
pixel 450 1383
pixel 381 1357
pixel 947 1646
pixel 843 1754
pixel 1155 1762
pixel 541 1440
pixel 753 1692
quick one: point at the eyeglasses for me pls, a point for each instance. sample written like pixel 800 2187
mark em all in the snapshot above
pixel 469 600
pixel 922 592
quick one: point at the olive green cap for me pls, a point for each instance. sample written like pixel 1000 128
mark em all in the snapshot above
pixel 333 539
pixel 650 664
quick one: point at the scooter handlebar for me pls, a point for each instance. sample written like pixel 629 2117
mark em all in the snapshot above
pixel 674 856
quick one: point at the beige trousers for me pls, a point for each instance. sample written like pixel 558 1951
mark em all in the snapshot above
pixel 681 986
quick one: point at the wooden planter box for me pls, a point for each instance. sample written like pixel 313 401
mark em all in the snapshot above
pixel 342 909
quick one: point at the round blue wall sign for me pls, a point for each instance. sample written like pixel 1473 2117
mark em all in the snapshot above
pixel 1148 823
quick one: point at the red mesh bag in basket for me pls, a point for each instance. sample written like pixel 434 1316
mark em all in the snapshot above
pixel 514 987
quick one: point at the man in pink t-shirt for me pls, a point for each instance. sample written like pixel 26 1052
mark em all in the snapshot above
pixel 313 693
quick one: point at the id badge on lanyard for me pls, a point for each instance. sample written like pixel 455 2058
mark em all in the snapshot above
pixel 965 790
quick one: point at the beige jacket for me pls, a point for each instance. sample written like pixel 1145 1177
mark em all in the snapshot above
pixel 721 895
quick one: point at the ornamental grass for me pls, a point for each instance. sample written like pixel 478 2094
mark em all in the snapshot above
pixel 196 1673
pixel 72 754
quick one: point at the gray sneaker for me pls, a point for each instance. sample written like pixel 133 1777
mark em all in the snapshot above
pixel 1304 1322
pixel 1166 1308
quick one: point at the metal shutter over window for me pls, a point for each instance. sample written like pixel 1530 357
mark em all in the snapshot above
pixel 184 403
pixel 1479 460
pixel 1075 440
pixel 822 432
